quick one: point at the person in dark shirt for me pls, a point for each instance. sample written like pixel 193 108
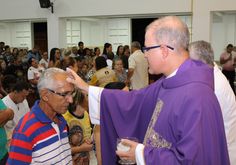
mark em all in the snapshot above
pixel 81 48
pixel 15 69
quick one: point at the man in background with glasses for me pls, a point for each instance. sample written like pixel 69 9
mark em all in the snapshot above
pixel 41 135
pixel 177 119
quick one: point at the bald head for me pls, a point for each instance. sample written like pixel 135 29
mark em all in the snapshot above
pixel 202 51
pixel 171 31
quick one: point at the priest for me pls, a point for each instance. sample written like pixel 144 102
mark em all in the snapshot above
pixel 176 119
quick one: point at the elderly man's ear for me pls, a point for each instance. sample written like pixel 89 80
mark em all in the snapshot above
pixel 44 94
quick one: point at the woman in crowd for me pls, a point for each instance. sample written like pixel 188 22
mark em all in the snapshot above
pixel 69 62
pixel 7 55
pixel 2 66
pixel 107 48
pixel 87 54
pixel 119 52
pixel 44 60
pixel 24 60
pixel 103 75
pixel 96 130
pixel 34 72
pixel 91 69
pixel 125 57
pixel 54 56
pixel 126 50
pixel 15 51
pixel 25 52
pixel 121 74
pixel 85 71
pixel 97 51
pixel 79 129
pixel 80 62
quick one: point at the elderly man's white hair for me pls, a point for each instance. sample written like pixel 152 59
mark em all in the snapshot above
pixel 46 79
pixel 202 51
pixel 171 31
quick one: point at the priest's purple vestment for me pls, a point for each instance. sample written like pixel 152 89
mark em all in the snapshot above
pixel 178 119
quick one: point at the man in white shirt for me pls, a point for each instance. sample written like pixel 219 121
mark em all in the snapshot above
pixel 202 50
pixel 18 103
pixel 74 52
pixel 138 68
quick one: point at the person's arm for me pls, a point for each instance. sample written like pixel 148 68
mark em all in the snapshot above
pixel 5 116
pixel 20 150
pixel 43 64
pixel 31 78
pixel 129 75
pixel 98 144
pixel 3 91
pixel 50 64
pixel 132 65
pixel 223 61
pixel 34 82
pixel 83 147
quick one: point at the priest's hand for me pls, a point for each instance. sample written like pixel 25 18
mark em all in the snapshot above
pixel 128 155
pixel 77 81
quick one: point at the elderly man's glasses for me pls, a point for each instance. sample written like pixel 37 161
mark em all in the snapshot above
pixel 66 95
pixel 145 49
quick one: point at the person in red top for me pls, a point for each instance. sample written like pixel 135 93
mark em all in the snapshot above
pixel 228 59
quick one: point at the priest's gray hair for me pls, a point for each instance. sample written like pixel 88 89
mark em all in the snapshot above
pixel 136 44
pixel 46 79
pixel 202 51
pixel 171 31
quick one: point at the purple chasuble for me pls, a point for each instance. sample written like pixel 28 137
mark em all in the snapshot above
pixel 177 119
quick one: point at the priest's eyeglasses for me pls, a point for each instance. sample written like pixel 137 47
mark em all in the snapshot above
pixel 146 49
pixel 66 95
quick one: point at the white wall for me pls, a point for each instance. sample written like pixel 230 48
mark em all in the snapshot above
pixel 5 33
pixel 76 8
pixel 29 9
pixel 217 39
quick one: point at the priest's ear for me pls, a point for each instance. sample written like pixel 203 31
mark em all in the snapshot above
pixel 44 94
pixel 164 51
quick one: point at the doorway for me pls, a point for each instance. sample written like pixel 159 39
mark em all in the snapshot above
pixel 40 36
pixel 138 29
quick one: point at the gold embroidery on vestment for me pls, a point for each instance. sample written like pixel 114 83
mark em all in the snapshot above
pixel 152 138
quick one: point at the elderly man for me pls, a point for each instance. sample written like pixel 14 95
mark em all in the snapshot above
pixel 202 50
pixel 177 119
pixel 137 75
pixel 74 52
pixel 16 100
pixel 6 114
pixel 41 135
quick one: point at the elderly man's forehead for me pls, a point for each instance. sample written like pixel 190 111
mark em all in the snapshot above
pixel 60 79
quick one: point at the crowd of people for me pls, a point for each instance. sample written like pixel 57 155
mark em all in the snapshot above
pixel 186 117
pixel 21 71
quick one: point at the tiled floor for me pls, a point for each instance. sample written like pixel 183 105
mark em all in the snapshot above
pixel 93 159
